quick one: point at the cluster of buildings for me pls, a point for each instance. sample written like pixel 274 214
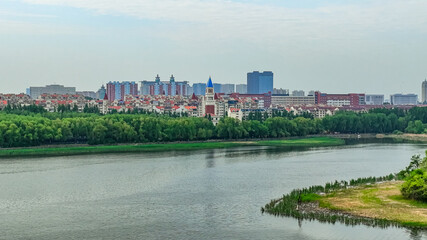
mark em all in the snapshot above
pixel 202 99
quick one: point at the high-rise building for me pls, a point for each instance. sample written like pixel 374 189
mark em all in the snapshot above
pixel 35 92
pixel 374 99
pixel 259 83
pixel 404 99
pixel 298 93
pixel 100 94
pixel 199 88
pixel 227 88
pixel 217 87
pixel 118 90
pixel 242 88
pixel 424 92
pixel 167 88
pixel 281 91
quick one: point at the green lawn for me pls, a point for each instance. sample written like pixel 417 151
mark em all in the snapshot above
pixel 74 150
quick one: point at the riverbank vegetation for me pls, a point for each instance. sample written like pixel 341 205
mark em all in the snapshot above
pixel 31 126
pixel 80 150
pixel 393 200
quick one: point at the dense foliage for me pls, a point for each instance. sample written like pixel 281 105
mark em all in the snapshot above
pixel 31 126
pixel 415 185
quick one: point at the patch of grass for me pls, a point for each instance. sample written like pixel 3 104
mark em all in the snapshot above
pixel 73 150
pixel 369 197
pixel 308 142
pixel 414 203
pixel 310 197
pixel 379 201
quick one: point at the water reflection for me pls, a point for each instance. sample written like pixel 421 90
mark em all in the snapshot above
pixel 204 194
pixel 210 158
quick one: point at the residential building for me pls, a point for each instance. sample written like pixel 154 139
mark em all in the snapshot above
pixel 260 83
pixel 35 92
pixel 404 99
pixel 217 87
pixel 298 93
pixel 118 90
pixel 284 100
pixel 280 91
pixel 374 99
pixel 235 113
pixel 337 100
pixel 242 88
pixel 199 88
pixel 100 94
pixel 167 88
pixel 89 94
pixel 227 88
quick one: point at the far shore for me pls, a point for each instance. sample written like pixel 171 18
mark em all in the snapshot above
pixel 405 136
pixel 307 141
pixel 82 149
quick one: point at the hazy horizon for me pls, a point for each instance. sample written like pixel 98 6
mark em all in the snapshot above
pixel 332 46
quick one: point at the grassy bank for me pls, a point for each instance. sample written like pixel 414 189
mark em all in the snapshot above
pixel 379 201
pixel 80 150
pixel 421 138
pixel 369 201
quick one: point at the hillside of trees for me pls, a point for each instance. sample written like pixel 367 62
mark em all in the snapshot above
pixel 32 126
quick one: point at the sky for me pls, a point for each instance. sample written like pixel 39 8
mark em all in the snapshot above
pixel 335 46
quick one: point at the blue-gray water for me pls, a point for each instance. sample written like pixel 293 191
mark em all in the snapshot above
pixel 208 194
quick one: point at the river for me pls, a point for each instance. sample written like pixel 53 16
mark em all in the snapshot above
pixel 206 194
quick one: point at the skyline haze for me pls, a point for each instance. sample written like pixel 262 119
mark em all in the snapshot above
pixel 331 46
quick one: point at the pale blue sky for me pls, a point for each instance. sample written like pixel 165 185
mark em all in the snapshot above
pixel 333 46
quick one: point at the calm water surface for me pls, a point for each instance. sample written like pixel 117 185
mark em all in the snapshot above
pixel 209 194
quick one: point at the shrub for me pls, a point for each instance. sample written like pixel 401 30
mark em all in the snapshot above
pixel 415 187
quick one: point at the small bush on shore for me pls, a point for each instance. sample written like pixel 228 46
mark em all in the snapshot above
pixel 415 187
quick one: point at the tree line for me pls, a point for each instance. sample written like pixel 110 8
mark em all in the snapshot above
pixel 32 127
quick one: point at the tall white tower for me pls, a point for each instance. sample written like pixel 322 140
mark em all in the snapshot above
pixel 424 92
pixel 209 99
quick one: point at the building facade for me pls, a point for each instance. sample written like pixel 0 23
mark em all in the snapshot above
pixel 284 100
pixel 209 99
pixel 337 100
pixel 89 94
pixel 298 93
pixel 166 88
pixel 100 94
pixel 260 82
pixel 227 88
pixel 242 88
pixel 35 92
pixel 404 99
pixel 199 89
pixel 281 91
pixel 217 87
pixel 118 90
pixel 374 99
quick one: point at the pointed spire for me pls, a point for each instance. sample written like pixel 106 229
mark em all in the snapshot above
pixel 194 97
pixel 215 96
pixel 105 96
pixel 210 84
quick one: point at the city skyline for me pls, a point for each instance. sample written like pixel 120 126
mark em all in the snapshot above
pixel 331 46
pixel 291 92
